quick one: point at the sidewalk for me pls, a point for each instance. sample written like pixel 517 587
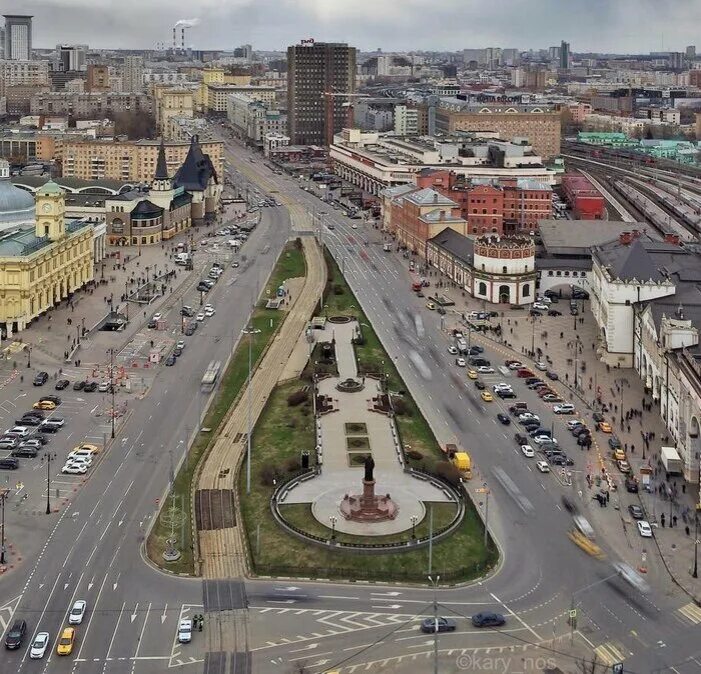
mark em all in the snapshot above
pixel 621 391
pixel 65 332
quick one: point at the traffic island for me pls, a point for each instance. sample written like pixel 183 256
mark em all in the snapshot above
pixel 309 513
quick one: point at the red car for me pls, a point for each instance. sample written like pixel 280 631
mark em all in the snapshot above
pixel 524 372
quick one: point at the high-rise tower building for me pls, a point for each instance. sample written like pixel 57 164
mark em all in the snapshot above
pixel 18 37
pixel 315 70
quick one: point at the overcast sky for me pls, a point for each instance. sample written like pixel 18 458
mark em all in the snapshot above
pixel 623 26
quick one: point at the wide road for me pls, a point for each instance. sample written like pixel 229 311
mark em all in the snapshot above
pixel 542 573
pixel 93 550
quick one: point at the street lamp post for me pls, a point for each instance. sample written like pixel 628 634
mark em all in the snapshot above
pixel 414 520
pixel 48 483
pixel 694 573
pixel 29 356
pixel 250 331
pixel 333 521
pixel 2 535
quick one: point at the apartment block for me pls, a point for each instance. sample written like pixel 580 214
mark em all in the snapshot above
pixel 98 80
pixel 90 105
pixel 131 160
pixel 539 124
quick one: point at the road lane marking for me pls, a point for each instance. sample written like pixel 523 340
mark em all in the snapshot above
pixel 523 622
pixel 92 615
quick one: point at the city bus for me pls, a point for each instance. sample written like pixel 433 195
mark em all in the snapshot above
pixel 211 374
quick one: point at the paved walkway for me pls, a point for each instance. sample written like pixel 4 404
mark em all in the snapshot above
pixel 223 552
pixel 621 390
pixel 65 330
pixel 340 474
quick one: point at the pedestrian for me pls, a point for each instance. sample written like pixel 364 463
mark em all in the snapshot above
pixel 662 519
pixel 674 521
pixel 629 428
pixel 632 449
pixel 684 488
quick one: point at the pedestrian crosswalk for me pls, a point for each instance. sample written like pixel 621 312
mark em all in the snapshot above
pixel 610 652
pixel 691 612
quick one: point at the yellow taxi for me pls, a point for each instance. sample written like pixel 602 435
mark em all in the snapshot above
pixel 86 447
pixel 487 396
pixel 44 405
pixel 65 643
pixel 471 374
pixel 619 455
pixel 605 427
pixel 586 544
pixel 430 305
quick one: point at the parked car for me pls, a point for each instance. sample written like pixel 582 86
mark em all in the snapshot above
pixel 40 378
pixel 79 385
pixel 90 387
pixel 60 385
pixel 644 528
pixel 636 512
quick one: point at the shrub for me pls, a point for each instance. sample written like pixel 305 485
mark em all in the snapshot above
pixel 338 290
pixel 293 464
pixel 448 472
pixel 400 406
pixel 297 397
pixel 415 455
pixel 270 473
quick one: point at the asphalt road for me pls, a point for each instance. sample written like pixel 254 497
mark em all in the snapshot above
pixel 93 548
pixel 542 573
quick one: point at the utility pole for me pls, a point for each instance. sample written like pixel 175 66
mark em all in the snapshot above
pixel 434 583
pixel 112 387
pixel 48 487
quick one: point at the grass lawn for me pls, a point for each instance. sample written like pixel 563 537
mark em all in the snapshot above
pixel 300 516
pixel 283 432
pixel 290 265
pixel 415 432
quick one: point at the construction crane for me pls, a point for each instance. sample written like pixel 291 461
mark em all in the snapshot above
pixel 329 97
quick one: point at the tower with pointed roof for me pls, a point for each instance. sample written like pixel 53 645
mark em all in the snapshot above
pixel 162 192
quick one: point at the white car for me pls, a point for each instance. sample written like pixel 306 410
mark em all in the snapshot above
pixel 452 350
pixel 485 369
pixel 543 466
pixel 354 226
pixel 528 416
pixel 501 386
pixel 18 431
pixel 528 451
pixel 574 422
pixel 185 631
pixel 200 317
pixel 515 366
pixel 644 528
pixel 80 456
pixel 539 306
pixel 544 300
pixel 75 617
pixel 180 344
pixel 39 646
pixel 541 366
pixel 460 362
pixel 209 312
pixel 157 317
pixel 563 408
pixel 104 387
pixel 540 439
pixel 235 265
pixel 54 421
pixel 71 468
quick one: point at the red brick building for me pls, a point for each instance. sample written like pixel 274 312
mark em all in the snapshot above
pixel 508 206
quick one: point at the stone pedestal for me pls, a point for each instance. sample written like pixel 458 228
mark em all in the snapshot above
pixel 368 507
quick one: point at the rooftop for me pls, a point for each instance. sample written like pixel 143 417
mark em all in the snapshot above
pixel 568 237
pixel 462 247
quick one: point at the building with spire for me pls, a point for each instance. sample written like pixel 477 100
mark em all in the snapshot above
pixel 198 177
pixel 44 258
pixel 146 217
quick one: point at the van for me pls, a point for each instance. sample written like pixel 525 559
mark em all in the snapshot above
pixel 461 345
pixel 182 258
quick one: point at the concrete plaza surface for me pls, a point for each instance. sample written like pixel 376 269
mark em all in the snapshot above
pixel 621 390
pixel 339 475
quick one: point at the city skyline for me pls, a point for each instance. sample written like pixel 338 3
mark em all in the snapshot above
pixel 624 26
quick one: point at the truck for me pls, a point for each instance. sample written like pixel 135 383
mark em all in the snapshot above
pixel 671 460
pixel 460 459
pixel 461 345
